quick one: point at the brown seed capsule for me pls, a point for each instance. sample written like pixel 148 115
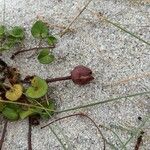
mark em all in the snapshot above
pixel 81 75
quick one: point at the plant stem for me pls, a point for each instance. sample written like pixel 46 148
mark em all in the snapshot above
pixel 30 49
pixel 27 80
pixel 58 79
pixel 79 114
pixel 3 134
pixel 29 135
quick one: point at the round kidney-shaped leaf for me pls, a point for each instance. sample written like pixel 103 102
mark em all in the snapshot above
pixel 14 93
pixel 39 29
pixel 38 89
pixel 17 32
pixel 26 113
pixel 10 114
pixel 51 40
pixel 45 58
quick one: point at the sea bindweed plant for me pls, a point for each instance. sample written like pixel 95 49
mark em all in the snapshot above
pixel 32 88
pixel 21 99
pixel 14 38
pixel 28 97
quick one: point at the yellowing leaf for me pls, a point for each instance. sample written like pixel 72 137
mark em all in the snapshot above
pixel 15 92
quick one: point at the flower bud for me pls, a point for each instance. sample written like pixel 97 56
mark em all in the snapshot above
pixel 81 75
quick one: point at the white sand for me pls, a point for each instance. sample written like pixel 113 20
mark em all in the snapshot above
pixel 112 55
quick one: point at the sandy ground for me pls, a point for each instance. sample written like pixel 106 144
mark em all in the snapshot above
pixel 112 54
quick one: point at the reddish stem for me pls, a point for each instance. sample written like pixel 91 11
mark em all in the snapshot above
pixel 79 114
pixel 29 135
pixel 30 49
pixel 3 134
pixel 58 79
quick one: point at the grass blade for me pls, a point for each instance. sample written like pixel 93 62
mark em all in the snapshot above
pixel 52 128
pixel 127 31
pixel 101 17
pixel 103 102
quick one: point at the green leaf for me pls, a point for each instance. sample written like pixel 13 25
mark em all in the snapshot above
pixel 47 114
pixel 38 89
pixel 10 114
pixel 51 40
pixel 10 43
pixel 2 31
pixel 15 107
pixel 39 30
pixel 4 48
pixel 45 58
pixel 26 113
pixel 17 32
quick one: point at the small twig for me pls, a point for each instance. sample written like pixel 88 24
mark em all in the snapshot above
pixel 35 52
pixel 3 134
pixel 29 135
pixel 139 141
pixel 67 28
pixel 58 79
pixel 30 49
pixel 79 114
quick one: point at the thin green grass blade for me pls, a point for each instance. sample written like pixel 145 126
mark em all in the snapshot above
pixel 57 138
pixel 121 128
pixel 79 107
pixel 103 102
pixel 125 30
pixel 64 147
